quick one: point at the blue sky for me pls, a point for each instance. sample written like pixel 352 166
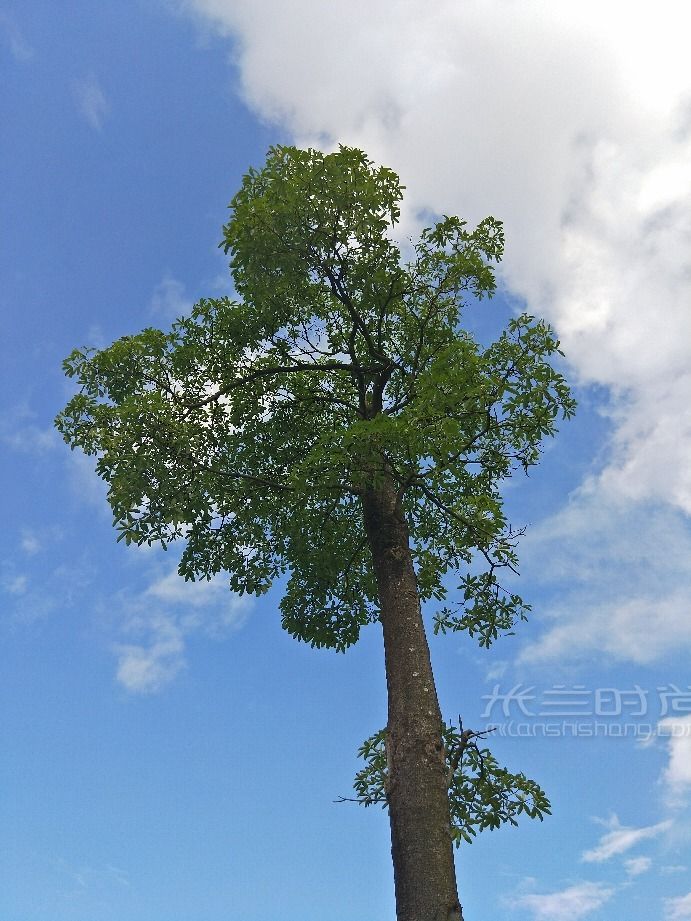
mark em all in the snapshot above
pixel 168 754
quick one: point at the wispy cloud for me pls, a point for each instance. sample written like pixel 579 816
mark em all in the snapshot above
pixel 89 488
pixel 620 839
pixel 20 431
pixel 13 37
pixel 16 584
pixel 91 101
pixel 39 538
pixel 617 577
pixel 148 626
pixel 169 300
pixel 32 439
pixel 157 623
pixel 678 909
pixel 30 543
pixel 95 884
pixel 33 594
pixel 568 904
pixel 637 865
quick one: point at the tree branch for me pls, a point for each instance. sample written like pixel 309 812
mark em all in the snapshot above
pixel 271 371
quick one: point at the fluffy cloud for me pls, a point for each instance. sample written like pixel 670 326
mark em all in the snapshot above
pixel 637 865
pixel 149 667
pixel 30 543
pixel 678 909
pixel 161 619
pixel 620 839
pixel 677 774
pixel 571 122
pixel 569 904
pixel 207 605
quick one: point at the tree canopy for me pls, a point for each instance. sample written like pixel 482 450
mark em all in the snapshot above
pixel 250 429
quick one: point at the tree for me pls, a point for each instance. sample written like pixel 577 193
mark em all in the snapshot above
pixel 337 425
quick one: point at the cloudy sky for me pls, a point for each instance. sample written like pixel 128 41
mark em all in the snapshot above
pixel 168 754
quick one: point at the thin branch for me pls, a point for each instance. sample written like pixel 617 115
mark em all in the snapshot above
pixel 436 501
pixel 270 371
pixel 467 737
pixel 340 293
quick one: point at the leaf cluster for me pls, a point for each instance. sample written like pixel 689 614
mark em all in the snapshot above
pixel 482 794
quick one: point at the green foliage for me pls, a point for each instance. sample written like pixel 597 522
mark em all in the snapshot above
pixel 249 430
pixel 481 793
pixel 487 609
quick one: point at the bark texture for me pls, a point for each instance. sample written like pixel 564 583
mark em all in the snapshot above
pixel 421 846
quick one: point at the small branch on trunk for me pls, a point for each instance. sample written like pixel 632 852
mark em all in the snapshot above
pixel 466 738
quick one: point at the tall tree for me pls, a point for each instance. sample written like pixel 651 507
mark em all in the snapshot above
pixel 338 425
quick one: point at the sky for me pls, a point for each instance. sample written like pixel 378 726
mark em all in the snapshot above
pixel 167 753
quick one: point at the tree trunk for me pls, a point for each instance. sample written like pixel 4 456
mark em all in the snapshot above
pixel 421 846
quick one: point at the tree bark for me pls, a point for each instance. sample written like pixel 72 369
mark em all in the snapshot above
pixel 421 845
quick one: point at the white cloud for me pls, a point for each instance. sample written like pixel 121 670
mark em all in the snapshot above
pixel 100 880
pixel 637 865
pixel 172 587
pixel 30 543
pixel 20 432
pixel 207 604
pixel 86 485
pixel 677 774
pixel 162 618
pixel 16 585
pixel 679 908
pixel 618 578
pixel 148 668
pixel 38 594
pixel 569 904
pixel 620 839
pixel 497 670
pixel 35 540
pixel 31 439
pixel 91 101
pixel 572 122
pixel 650 448
pixel 169 300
